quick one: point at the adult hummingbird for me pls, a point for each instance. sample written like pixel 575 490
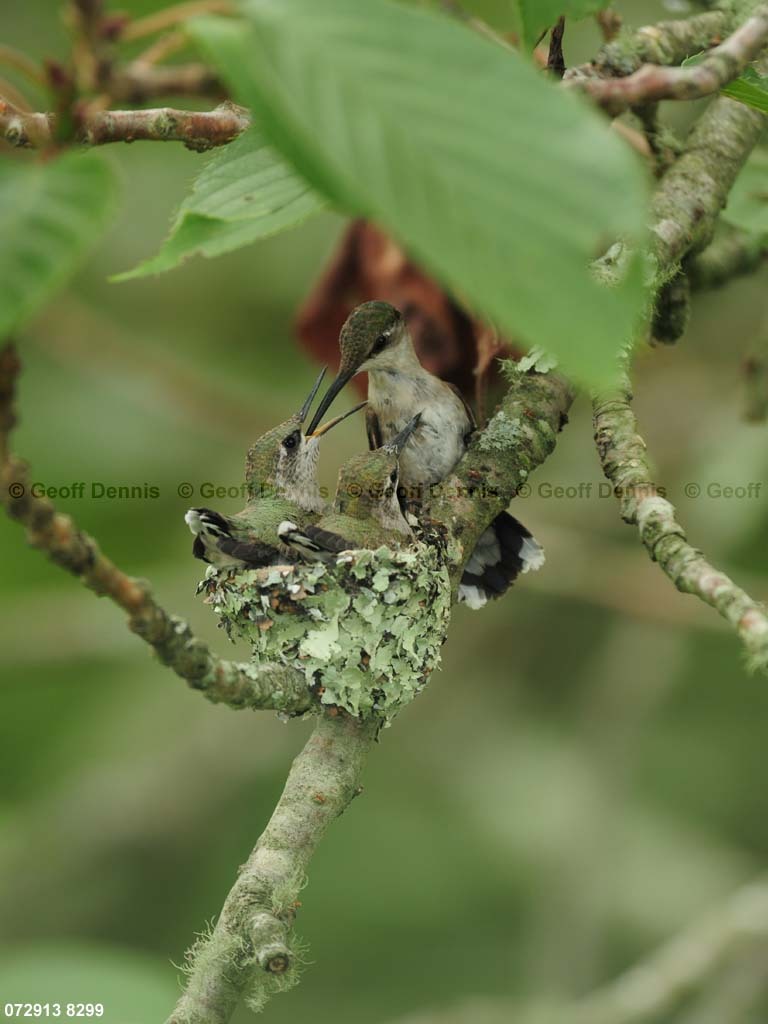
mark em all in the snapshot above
pixel 375 338
pixel 366 511
pixel 281 480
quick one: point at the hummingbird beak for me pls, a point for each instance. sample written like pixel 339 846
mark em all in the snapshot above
pixel 304 410
pixel 332 423
pixel 399 442
pixel 341 379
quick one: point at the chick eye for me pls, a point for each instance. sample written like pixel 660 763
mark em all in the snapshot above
pixel 290 442
pixel 380 344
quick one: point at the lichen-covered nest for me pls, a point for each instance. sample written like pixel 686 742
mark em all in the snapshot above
pixel 366 631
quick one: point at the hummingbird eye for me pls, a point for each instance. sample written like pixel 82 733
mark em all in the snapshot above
pixel 393 477
pixel 291 441
pixel 380 344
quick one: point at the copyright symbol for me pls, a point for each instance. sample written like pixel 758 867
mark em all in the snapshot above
pixel 692 490
pixel 185 490
pixel 523 491
pixel 354 490
pixel 16 490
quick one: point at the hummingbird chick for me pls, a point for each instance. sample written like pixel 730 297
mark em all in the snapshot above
pixel 281 479
pixel 375 339
pixel 366 511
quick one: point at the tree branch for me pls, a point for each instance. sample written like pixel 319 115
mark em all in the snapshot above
pixel 238 685
pixel 655 986
pixel 168 17
pixel 733 254
pixel 198 130
pixel 684 211
pixel 651 83
pixel 625 463
pixel 249 950
pixel 20 62
pixel 500 459
pixel 692 193
pixel 667 43
pixel 140 81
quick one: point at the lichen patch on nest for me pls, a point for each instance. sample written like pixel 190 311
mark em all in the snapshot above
pixel 366 631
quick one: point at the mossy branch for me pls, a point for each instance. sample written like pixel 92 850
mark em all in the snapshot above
pixel 518 438
pixel 667 43
pixel 652 83
pixel 732 253
pixel 250 950
pixel 625 463
pixel 685 210
pixel 238 685
pixel 693 192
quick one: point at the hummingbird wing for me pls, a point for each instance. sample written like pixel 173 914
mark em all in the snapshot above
pixel 313 542
pixel 373 426
pixel 467 408
pixel 373 429
pixel 219 542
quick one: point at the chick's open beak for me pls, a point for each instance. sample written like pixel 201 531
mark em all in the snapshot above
pixel 399 442
pixel 304 410
pixel 332 423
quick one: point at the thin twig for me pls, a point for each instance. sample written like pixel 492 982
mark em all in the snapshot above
pixel 732 934
pixel 197 129
pixel 139 82
pixel 654 987
pixel 733 254
pixel 20 62
pixel 266 686
pixel 625 463
pixel 667 43
pixel 651 83
pixel 170 16
pixel 14 96
pixel 163 48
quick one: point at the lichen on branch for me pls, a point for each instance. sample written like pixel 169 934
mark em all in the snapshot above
pixel 651 83
pixel 625 463
pixel 666 43
pixel 250 950
pixel 518 438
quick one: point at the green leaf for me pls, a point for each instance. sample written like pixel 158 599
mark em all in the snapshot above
pixel 499 182
pixel 245 193
pixel 536 16
pixel 748 202
pixel 50 216
pixel 750 88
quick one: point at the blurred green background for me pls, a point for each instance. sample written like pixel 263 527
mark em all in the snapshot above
pixel 584 776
